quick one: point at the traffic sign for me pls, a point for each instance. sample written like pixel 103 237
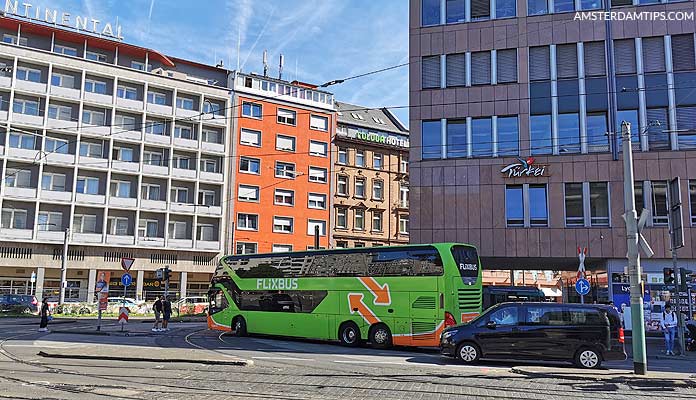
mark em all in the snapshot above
pixel 127 263
pixel 123 315
pixel 126 279
pixel 582 286
pixel 32 279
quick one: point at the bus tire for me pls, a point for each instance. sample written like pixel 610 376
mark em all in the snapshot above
pixel 380 336
pixel 239 326
pixel 349 334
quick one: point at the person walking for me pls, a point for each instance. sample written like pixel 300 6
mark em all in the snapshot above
pixel 157 308
pixel 167 311
pixel 669 327
pixel 44 313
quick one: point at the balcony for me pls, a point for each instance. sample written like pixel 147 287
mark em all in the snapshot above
pixel 188 143
pixel 184 173
pixel 126 202
pixel 86 238
pixel 205 245
pixel 155 169
pixel 27 119
pixel 90 198
pixel 51 236
pixel 159 139
pixel 5 81
pixel 213 147
pixel 219 120
pixel 61 124
pixel 23 153
pixel 59 158
pixel 125 166
pixel 122 133
pixel 128 103
pixel 211 176
pixel 92 162
pixel 180 112
pixel 153 204
pixel 159 109
pixel 66 93
pixel 104 99
pixel 186 208
pixel 121 240
pixel 16 234
pixel 215 211
pixel 96 130
pixel 51 195
pixel 30 86
pixel 180 243
pixel 18 192
pixel 151 241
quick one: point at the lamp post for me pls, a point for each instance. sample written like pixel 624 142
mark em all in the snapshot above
pixel 63 263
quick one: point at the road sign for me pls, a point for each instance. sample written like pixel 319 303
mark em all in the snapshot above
pixel 127 263
pixel 123 315
pixel 126 279
pixel 582 253
pixel 33 277
pixel 582 286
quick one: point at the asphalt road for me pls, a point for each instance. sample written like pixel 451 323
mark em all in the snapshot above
pixel 283 369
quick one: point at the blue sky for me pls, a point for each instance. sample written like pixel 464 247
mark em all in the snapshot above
pixel 321 40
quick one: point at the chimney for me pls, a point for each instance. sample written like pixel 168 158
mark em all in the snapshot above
pixel 265 63
pixel 280 68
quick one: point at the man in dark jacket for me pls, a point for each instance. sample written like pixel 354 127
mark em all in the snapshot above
pixel 44 313
pixel 157 308
pixel 167 311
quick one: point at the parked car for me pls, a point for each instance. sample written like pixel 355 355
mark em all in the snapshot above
pixel 19 303
pixel 191 305
pixel 585 334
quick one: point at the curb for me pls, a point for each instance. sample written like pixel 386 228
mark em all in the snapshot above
pixel 94 333
pixel 688 358
pixel 239 362
pixel 687 381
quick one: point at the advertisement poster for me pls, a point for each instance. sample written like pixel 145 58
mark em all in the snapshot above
pixel 102 289
pixel 654 299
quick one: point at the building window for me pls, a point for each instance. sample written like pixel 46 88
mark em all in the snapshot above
pixel 526 205
pixel 250 137
pixel 568 133
pixel 206 233
pixel 540 134
pixel 377 160
pixel 537 7
pixel 122 154
pixel 481 137
pixel 285 170
pixel 118 226
pixel 317 174
pixel 182 131
pixel 597 138
pixel 93 150
pixel 514 205
pixel 209 165
pixel 28 74
pixel 285 143
pixel 63 113
pixel 91 55
pixel 282 248
pixel 430 12
pixel 53 182
pixel 54 145
pixel 538 206
pixel 153 158
pixel 126 92
pixel 359 244
pixel 599 204
pixel 342 155
pixel 120 189
pixel 377 221
pixel 342 185
pixel 317 201
pixel 317 148
pixel 359 158
pixel 341 217
pixel 185 103
pixel 93 117
pixel 282 224
pixel 22 141
pixel 286 117
pixel 377 190
pixel 456 139
pixel 62 80
pixel 360 188
pixel 87 185
pixel 456 70
pixel 560 6
pixel 481 68
pixel 284 197
pixel 508 136
pixel 250 165
pixel 591 4
pixel 318 122
pixel 13 218
pixel 147 228
pixel 341 244
pixel 692 201
pixel 431 134
pixel 686 125
pixel 359 219
pixel 403 224
pixel 659 203
pixel 506 64
pixel 403 164
pixel 505 8
pixel 85 223
pixel 20 178
pixel 12 39
pixel 179 195
pixel 430 71
pixel 574 205
pixel 246 248
pixel 94 86
pixel 26 107
pixel 403 195
pixel 157 98
pixel 313 223
pixel 247 222
pixel 683 52
pixel 150 191
pixel 207 198
pixel 248 193
pixel 138 65
pixel 252 110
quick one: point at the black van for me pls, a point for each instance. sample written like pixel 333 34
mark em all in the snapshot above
pixel 584 333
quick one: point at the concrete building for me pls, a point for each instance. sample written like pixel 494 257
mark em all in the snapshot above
pixel 513 124
pixel 370 170
pixel 122 147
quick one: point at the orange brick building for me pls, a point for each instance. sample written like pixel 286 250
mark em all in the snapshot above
pixel 281 165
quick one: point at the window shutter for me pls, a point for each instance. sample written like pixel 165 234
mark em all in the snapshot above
pixel 683 52
pixel 686 118
pixel 539 63
pixel 481 68
pixel 456 70
pixel 431 72
pixel 480 9
pixel 625 56
pixel 595 62
pixel 567 61
pixel 507 65
pixel 616 3
pixel 653 54
pixel 657 138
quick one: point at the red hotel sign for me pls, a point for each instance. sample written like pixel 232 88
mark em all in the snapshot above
pixel 525 168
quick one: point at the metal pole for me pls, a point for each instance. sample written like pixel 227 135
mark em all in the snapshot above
pixel 63 268
pixel 316 237
pixel 640 362
pixel 691 308
pixel 611 85
pixel 677 297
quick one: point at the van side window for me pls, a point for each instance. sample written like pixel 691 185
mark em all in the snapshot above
pixel 505 316
pixel 554 316
pixel 585 317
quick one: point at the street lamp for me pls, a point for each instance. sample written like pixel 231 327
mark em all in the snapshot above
pixel 63 265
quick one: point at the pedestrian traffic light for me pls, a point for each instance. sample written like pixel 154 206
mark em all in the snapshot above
pixel 687 279
pixel 166 273
pixel 158 274
pixel 668 275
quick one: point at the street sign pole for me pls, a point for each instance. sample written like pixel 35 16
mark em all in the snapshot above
pixel 582 253
pixel 676 235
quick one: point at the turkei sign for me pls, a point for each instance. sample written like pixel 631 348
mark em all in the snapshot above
pixel 59 17
pixel 525 168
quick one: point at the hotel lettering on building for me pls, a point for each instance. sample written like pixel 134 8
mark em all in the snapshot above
pixel 511 128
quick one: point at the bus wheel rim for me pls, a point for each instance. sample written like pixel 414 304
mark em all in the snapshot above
pixel 349 335
pixel 468 353
pixel 380 336
pixel 588 358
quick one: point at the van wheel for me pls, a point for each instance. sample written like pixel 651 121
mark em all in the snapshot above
pixel 349 334
pixel 239 327
pixel 380 336
pixel 468 353
pixel 588 358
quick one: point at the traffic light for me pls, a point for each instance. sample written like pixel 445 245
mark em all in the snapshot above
pixel 668 275
pixel 687 279
pixel 166 273
pixel 158 274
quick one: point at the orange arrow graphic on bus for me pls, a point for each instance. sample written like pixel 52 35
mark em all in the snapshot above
pixel 382 296
pixel 355 300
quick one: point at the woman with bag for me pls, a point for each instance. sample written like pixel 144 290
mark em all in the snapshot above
pixel 45 314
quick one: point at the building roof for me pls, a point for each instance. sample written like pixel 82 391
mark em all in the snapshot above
pixel 378 119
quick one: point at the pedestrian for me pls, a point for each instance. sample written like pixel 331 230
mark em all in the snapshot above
pixel 167 311
pixel 44 313
pixel 669 327
pixel 157 308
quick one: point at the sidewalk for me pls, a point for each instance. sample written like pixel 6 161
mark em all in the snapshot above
pixel 651 379
pixel 145 354
pixel 655 348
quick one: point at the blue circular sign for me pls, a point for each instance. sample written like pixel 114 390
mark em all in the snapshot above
pixel 582 286
pixel 126 279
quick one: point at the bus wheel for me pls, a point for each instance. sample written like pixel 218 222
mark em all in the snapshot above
pixel 380 336
pixel 349 334
pixel 239 327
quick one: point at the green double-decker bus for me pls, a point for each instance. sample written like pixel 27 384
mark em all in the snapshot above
pixel 395 295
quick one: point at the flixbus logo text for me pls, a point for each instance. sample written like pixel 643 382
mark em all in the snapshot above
pixel 276 283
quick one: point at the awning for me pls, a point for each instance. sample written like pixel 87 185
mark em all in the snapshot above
pixel 552 292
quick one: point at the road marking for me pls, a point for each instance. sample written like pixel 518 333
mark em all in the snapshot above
pixel 371 362
pixel 281 358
